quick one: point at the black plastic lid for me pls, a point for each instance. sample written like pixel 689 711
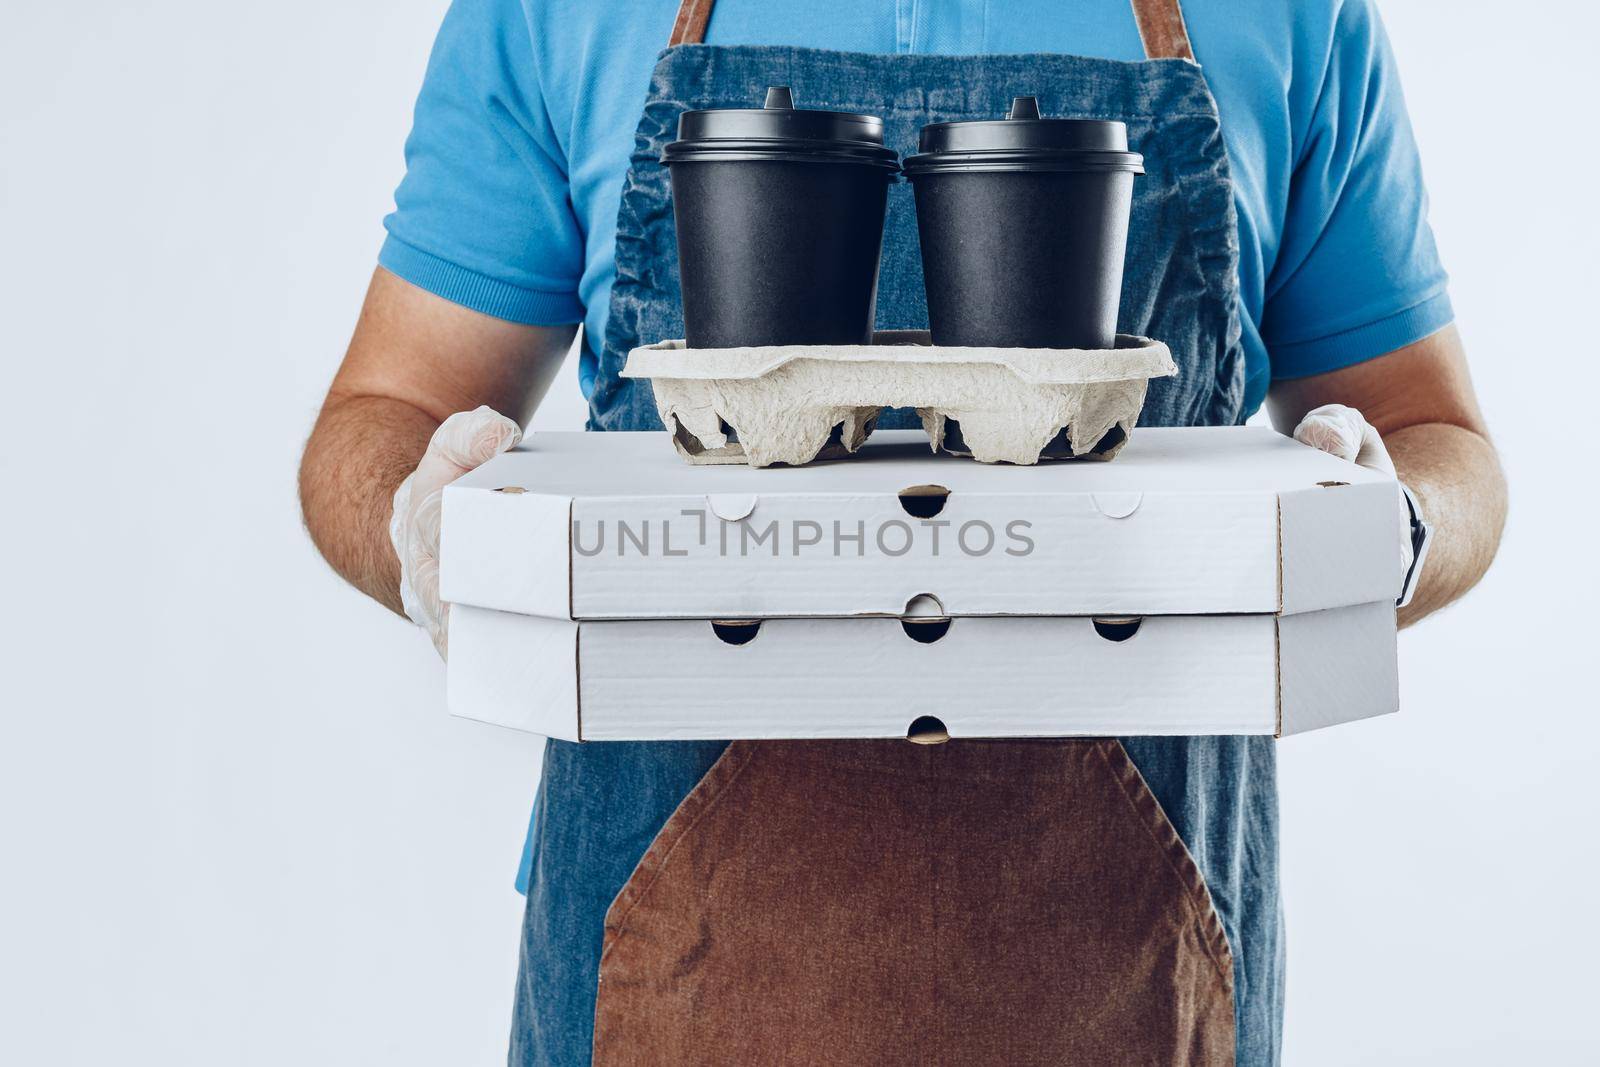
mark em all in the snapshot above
pixel 779 131
pixel 1024 141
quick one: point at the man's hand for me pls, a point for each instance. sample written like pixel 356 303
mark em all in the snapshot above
pixel 415 360
pixel 463 442
pixel 1420 400
pixel 1343 431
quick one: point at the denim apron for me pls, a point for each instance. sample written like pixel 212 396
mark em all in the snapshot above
pixel 609 817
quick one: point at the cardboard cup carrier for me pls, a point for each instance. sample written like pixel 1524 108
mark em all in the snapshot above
pixel 796 403
pixel 1023 223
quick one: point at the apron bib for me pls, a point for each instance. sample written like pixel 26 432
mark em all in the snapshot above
pixel 1081 901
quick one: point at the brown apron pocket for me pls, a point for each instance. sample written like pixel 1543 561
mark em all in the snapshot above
pixel 1010 902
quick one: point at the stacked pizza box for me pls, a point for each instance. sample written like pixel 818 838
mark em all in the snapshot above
pixel 1209 580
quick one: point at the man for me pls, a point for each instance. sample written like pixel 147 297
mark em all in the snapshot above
pixel 1286 258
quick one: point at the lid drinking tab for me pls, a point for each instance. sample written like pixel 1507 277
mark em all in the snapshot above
pixel 1024 140
pixel 778 131
pixel 1022 107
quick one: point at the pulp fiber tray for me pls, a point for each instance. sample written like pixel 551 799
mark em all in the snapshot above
pixel 794 404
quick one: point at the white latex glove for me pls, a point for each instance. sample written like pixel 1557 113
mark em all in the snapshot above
pixel 1344 432
pixel 462 442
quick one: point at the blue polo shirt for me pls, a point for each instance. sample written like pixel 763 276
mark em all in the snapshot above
pixel 526 119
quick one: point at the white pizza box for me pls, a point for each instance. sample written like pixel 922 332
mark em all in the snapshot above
pixel 1216 520
pixel 998 676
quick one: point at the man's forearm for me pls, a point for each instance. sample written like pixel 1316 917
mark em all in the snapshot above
pixel 415 359
pixel 1462 492
pixel 360 451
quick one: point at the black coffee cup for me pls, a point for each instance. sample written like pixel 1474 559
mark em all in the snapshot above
pixel 779 214
pixel 1024 225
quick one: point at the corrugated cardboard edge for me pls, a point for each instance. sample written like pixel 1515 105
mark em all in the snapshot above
pixel 1277 668
pixel 1277 629
pixel 1279 509
pixel 577 666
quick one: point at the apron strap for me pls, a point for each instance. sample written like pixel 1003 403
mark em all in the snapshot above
pixel 1161 28
pixel 690 28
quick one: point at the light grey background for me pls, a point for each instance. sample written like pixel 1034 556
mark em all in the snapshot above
pixel 238 826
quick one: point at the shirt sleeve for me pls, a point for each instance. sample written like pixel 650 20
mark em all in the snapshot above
pixel 1357 273
pixel 483 216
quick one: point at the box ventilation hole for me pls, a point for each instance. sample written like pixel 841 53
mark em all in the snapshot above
pixel 924 606
pixel 512 489
pixel 923 501
pixel 925 631
pixel 1117 629
pixel 1332 485
pixel 927 730
pixel 736 631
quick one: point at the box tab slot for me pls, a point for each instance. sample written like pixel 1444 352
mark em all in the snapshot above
pixel 927 730
pixel 1117 629
pixel 736 631
pixel 925 631
pixel 923 501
